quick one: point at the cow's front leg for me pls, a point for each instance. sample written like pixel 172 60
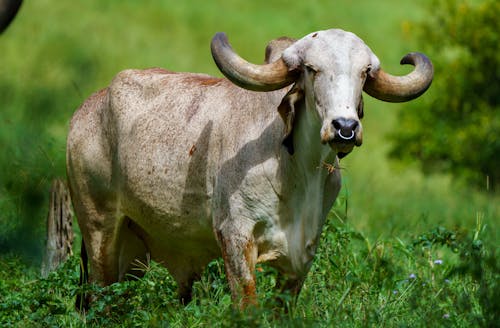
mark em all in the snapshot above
pixel 289 288
pixel 240 256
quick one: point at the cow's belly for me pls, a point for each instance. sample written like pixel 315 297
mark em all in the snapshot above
pixel 171 203
pixel 164 209
pixel 177 226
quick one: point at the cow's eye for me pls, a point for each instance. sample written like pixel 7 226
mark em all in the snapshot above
pixel 368 69
pixel 310 68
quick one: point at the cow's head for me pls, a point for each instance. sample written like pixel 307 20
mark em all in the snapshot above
pixel 330 70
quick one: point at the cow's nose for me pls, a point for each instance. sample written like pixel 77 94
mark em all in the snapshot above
pixel 345 128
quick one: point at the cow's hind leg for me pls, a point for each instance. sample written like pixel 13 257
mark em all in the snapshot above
pixel 99 223
pixel 98 230
pixel 98 251
pixel 133 254
pixel 185 287
pixel 113 257
pixel 82 301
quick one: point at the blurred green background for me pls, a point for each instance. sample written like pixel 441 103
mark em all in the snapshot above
pixel 56 53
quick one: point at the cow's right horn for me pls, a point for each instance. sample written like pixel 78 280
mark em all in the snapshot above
pixel 392 88
pixel 250 76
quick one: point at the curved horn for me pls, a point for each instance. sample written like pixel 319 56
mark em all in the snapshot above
pixel 391 88
pixel 250 76
pixel 8 10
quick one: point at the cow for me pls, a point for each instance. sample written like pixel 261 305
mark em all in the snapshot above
pixel 183 168
pixel 8 10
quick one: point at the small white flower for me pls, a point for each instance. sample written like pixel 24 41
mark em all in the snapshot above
pixel 446 315
pixel 438 262
pixel 413 276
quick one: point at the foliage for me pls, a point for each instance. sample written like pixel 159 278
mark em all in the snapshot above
pixel 457 131
pixel 439 278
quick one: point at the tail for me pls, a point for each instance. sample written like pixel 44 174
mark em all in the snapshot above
pixel 82 302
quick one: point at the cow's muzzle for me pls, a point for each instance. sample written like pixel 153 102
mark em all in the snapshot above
pixel 347 131
pixel 342 134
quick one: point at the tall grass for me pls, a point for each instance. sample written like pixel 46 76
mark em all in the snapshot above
pixel 440 278
pixel 390 221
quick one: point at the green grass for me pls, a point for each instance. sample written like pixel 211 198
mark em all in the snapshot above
pixel 390 222
pixel 441 278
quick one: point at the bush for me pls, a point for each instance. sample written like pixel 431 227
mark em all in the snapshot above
pixel 457 129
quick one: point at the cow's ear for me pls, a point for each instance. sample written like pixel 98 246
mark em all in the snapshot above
pixel 287 112
pixel 360 108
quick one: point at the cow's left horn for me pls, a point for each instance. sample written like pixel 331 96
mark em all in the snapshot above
pixel 8 10
pixel 250 76
pixel 391 88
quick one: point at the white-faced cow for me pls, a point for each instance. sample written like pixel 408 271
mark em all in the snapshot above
pixel 183 168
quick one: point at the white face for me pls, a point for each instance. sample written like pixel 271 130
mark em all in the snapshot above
pixel 335 65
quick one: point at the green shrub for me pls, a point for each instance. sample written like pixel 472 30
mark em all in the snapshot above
pixel 456 128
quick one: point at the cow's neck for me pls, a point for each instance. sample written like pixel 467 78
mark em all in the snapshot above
pixel 308 197
pixel 309 153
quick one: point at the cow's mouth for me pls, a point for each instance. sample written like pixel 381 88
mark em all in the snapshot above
pixel 341 148
pixel 343 144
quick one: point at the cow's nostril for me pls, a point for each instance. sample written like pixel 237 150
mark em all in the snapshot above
pixel 345 127
pixel 354 125
pixel 337 124
pixel 346 124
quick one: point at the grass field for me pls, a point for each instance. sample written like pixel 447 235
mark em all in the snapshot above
pixel 399 249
